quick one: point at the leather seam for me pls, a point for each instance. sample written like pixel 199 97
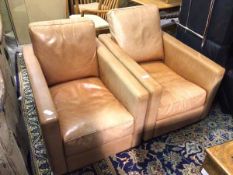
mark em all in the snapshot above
pixel 96 131
pixel 69 21
pixel 174 115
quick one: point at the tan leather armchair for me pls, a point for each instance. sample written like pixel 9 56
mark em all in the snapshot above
pixel 89 105
pixel 181 82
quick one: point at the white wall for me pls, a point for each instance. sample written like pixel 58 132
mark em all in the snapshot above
pixel 25 11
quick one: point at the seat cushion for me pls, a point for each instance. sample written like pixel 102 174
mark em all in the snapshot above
pixel 89 115
pixel 179 95
pixel 89 6
pixel 137 31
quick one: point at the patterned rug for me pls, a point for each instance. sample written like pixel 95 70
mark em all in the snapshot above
pixel 178 152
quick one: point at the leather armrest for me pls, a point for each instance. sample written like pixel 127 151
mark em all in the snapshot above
pixel 193 66
pixel 154 89
pixel 125 88
pixel 46 110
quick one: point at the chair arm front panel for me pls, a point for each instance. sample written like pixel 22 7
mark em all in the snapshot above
pixel 46 110
pixel 125 88
pixel 193 66
pixel 154 89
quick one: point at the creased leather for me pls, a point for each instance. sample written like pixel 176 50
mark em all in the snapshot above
pixel 125 88
pixel 137 31
pixel 95 139
pixel 65 45
pixel 98 153
pixel 86 111
pixel 47 113
pixel 194 67
pixel 179 95
pixel 154 89
pixel 104 108
pixel 186 63
pixel 178 121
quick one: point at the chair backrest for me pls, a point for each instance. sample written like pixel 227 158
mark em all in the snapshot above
pixel 72 6
pixel 137 31
pixel 107 5
pixel 65 49
pixel 86 1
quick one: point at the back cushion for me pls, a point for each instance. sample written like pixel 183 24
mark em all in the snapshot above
pixel 66 49
pixel 137 31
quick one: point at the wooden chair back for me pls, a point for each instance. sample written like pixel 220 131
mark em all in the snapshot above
pixel 77 2
pixel 85 1
pixel 72 6
pixel 107 5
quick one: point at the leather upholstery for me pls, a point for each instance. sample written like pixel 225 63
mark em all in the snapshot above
pixel 56 45
pixel 140 38
pixel 91 115
pixel 194 67
pixel 125 88
pixel 98 153
pixel 178 95
pixel 48 116
pixel 178 121
pixel 154 89
pixel 182 86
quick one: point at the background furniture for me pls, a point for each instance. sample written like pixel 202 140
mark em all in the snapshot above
pixel 89 105
pixel 101 25
pixel 76 6
pixel 181 82
pixel 161 4
pixel 93 10
pixel 226 91
pixel 219 159
pixel 219 38
pixel 81 5
pixel 104 7
pixel 99 8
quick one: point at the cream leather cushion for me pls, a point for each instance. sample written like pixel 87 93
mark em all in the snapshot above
pixel 89 115
pixel 179 95
pixel 65 52
pixel 137 31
